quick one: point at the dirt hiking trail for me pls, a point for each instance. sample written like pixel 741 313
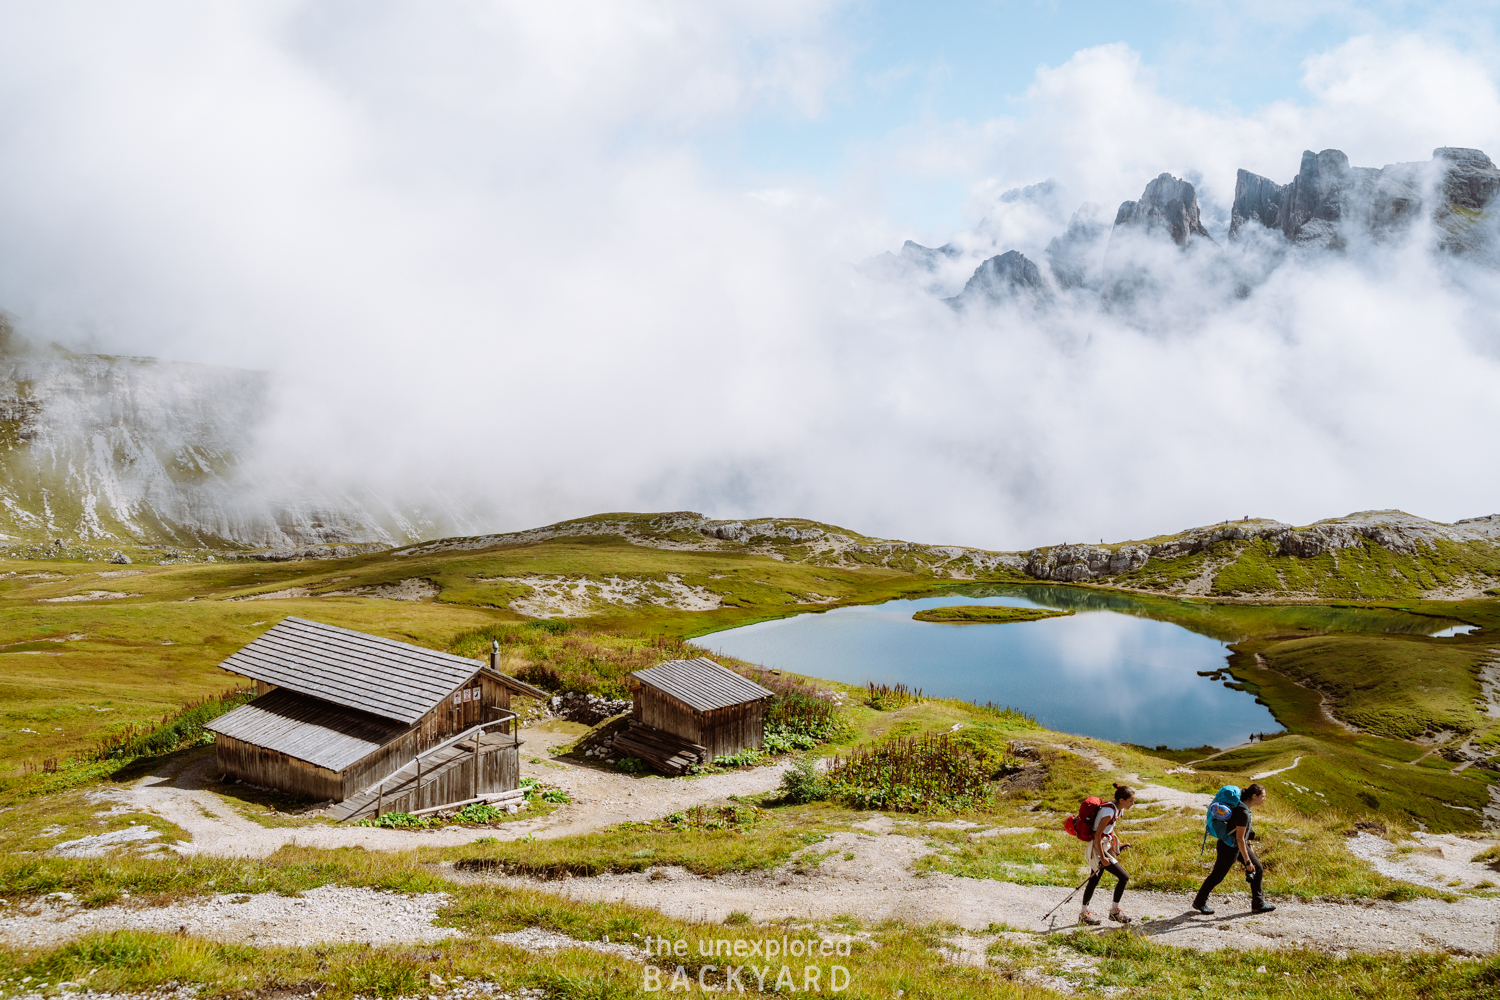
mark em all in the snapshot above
pixel 878 883
pixel 182 794
pixel 866 872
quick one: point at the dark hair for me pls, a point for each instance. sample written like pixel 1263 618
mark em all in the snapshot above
pixel 1252 790
pixel 1123 792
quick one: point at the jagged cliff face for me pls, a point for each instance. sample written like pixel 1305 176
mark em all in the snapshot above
pixel 1329 202
pixel 1168 207
pixel 1328 205
pixel 1004 278
pixel 99 454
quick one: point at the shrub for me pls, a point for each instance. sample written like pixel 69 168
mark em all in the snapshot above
pixel 542 676
pixel 922 774
pixel 479 812
pixel 802 783
pixel 400 821
pixel 562 656
pixel 888 698
pixel 181 728
pixel 749 757
pixel 531 789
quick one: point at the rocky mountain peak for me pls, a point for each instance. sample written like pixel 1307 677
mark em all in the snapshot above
pixel 1330 202
pixel 1168 205
pixel 1327 204
pixel 1470 180
pixel 1001 279
pixel 928 258
pixel 1074 256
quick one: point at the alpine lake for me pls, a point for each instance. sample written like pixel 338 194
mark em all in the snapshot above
pixel 1109 670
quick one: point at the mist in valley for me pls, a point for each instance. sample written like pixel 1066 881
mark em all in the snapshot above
pixel 488 265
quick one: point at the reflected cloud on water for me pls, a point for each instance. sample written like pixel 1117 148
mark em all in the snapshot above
pixel 1100 672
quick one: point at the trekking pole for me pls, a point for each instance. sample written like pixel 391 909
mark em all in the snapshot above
pixel 1070 896
pixel 1123 849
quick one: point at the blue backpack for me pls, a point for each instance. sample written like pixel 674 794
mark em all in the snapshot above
pixel 1216 822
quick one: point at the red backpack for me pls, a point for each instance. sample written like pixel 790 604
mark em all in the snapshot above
pixel 1082 825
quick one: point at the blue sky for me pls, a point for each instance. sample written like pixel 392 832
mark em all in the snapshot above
pixel 911 65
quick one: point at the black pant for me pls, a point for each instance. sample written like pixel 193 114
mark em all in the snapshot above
pixel 1120 879
pixel 1228 856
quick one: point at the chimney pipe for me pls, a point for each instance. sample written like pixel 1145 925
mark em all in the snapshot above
pixel 495 656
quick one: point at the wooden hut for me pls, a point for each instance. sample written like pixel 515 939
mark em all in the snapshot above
pixel 688 709
pixel 373 724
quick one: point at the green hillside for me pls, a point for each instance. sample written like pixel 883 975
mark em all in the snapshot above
pixel 95 656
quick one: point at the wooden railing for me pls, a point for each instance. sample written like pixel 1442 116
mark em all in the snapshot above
pixel 477 732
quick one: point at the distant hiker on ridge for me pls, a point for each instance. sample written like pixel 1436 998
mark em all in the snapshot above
pixel 1230 821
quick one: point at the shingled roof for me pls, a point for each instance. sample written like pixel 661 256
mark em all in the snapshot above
pixel 702 684
pixel 326 735
pixel 383 677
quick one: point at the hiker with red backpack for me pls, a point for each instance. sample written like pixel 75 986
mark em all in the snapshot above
pixel 1230 821
pixel 1095 824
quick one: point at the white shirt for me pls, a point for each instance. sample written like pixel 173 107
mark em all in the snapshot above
pixel 1103 820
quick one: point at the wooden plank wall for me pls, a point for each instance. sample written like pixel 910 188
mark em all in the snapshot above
pixel 729 730
pixel 499 771
pixel 724 731
pixel 433 728
pixel 661 711
pixel 271 769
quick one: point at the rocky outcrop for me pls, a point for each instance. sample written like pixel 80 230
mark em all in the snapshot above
pixel 1329 202
pixel 1327 205
pixel 928 258
pixel 932 268
pixel 1167 207
pixel 1003 278
pixel 1470 180
pixel 1074 257
pixel 1469 187
pixel 1257 199
pixel 104 452
pixel 1394 531
pixel 1076 563
pixel 589 709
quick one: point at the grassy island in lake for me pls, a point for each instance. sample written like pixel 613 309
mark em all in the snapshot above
pixel 975 614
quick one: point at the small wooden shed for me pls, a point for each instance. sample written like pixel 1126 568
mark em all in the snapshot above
pixel 373 724
pixel 702 702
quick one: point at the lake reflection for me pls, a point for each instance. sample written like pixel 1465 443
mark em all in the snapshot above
pixel 1098 673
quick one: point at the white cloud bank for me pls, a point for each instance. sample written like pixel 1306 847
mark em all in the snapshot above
pixel 478 246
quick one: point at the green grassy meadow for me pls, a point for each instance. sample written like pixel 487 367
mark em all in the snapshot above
pixel 75 674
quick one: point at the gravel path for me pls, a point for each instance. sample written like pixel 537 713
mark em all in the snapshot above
pixel 323 915
pixel 601 798
pixel 877 884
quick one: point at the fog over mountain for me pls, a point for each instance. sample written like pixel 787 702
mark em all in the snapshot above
pixel 494 282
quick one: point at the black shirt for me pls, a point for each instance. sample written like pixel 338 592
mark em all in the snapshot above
pixel 1240 816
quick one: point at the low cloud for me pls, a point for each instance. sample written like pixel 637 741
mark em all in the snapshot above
pixel 480 252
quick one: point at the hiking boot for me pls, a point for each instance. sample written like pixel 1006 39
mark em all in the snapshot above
pixel 1204 909
pixel 1262 908
pixel 1117 916
pixel 1085 917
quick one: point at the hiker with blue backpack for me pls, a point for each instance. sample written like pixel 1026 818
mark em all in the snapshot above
pixel 1231 823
